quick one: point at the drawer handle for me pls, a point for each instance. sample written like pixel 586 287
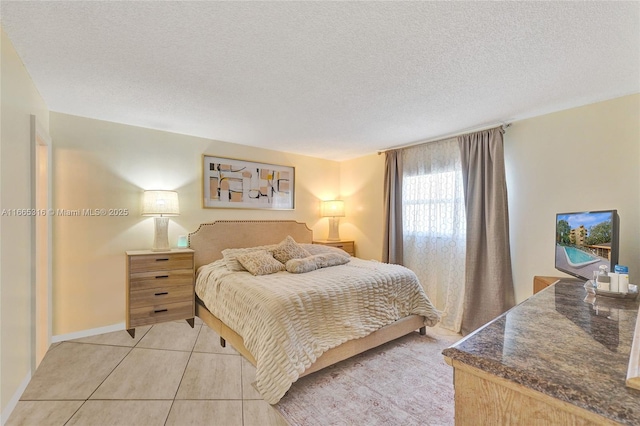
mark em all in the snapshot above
pixel 162 260
pixel 162 294
pixel 339 246
pixel 162 276
pixel 157 311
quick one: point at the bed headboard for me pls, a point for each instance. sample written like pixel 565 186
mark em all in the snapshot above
pixel 210 239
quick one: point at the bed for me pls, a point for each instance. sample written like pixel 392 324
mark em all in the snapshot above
pixel 231 303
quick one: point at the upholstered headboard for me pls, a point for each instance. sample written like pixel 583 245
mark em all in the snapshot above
pixel 210 239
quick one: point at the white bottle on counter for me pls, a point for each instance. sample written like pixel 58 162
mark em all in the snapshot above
pixel 623 283
pixel 604 282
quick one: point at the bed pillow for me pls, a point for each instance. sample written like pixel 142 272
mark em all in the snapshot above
pixel 288 249
pixel 316 261
pixel 260 262
pixel 301 266
pixel 231 256
pixel 321 249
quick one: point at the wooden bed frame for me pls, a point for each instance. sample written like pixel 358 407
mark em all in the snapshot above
pixel 210 239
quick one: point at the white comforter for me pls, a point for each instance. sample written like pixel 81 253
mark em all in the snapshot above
pixel 288 320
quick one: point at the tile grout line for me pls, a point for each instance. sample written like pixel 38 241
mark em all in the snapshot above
pixel 183 373
pixel 121 361
pixel 128 350
pixel 107 376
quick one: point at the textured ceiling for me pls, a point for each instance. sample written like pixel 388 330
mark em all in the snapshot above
pixel 334 80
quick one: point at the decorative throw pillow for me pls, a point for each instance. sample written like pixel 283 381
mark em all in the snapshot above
pixel 329 259
pixel 231 256
pixel 316 261
pixel 260 262
pixel 300 266
pixel 288 249
pixel 321 249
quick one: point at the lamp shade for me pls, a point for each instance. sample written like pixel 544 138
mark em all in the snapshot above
pixel 160 203
pixel 332 208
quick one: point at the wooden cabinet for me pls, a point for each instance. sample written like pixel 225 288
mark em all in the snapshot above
pixel 160 287
pixel 540 283
pixel 348 246
pixel 533 365
pixel 485 399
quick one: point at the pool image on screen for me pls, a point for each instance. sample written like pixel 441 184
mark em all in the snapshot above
pixel 584 241
pixel 578 258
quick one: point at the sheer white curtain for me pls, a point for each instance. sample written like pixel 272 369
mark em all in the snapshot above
pixel 434 224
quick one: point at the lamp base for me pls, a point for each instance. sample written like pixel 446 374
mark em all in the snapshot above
pixel 161 236
pixel 334 224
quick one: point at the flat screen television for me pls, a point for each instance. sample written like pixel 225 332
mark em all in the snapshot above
pixel 586 240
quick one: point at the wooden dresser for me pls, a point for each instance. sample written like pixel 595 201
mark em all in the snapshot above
pixel 160 287
pixel 540 282
pixel 346 245
pixel 558 358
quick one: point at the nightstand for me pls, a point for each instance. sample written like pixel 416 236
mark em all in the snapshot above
pixel 160 287
pixel 540 282
pixel 348 246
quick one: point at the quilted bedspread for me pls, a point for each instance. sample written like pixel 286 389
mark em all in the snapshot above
pixel 288 320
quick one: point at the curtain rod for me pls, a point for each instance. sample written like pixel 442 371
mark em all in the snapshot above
pixel 441 138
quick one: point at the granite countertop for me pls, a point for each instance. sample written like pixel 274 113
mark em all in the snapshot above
pixel 565 343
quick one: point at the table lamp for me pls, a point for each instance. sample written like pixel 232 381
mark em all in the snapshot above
pixel 160 204
pixel 333 209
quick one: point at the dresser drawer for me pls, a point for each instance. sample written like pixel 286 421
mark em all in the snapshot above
pixel 158 278
pixel 160 262
pixel 160 295
pixel 346 246
pixel 159 313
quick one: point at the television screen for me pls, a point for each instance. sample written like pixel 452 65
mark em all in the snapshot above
pixel 586 240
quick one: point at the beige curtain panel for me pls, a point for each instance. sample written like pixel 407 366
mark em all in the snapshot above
pixel 488 279
pixel 392 251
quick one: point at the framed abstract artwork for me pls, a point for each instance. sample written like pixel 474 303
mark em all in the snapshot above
pixel 241 184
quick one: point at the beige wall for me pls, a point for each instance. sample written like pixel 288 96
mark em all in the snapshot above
pixel 362 188
pixel 19 99
pixel 585 158
pixel 98 164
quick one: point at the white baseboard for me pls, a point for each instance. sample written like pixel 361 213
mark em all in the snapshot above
pixel 6 412
pixel 88 333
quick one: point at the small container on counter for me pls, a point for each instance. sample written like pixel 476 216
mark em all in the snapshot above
pixel 615 282
pixel 623 278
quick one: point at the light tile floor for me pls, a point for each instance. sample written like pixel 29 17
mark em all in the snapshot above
pixel 170 374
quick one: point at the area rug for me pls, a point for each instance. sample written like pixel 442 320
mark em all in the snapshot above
pixel 404 382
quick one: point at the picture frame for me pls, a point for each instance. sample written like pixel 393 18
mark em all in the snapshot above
pixel 230 183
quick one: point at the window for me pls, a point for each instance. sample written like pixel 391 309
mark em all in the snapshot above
pixel 431 204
